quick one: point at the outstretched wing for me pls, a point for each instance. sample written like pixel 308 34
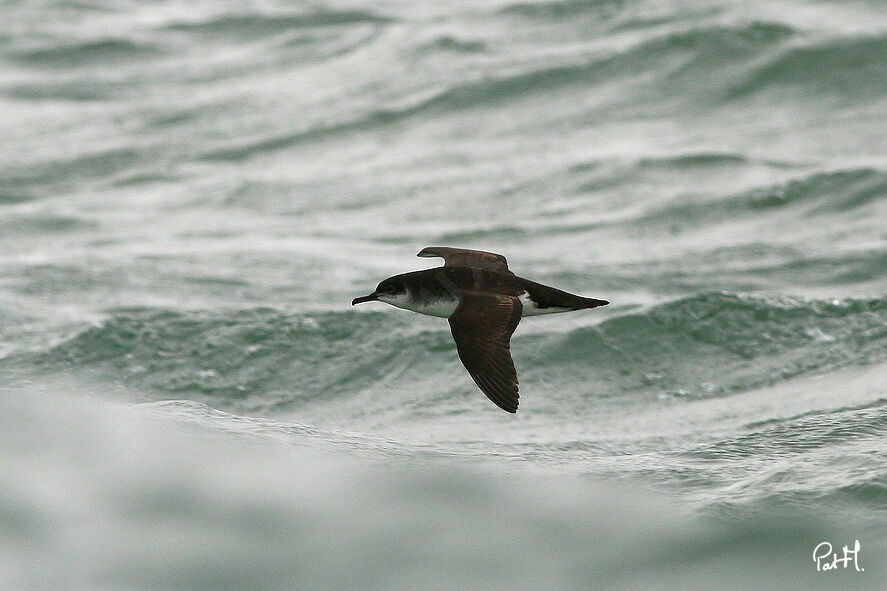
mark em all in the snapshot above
pixel 482 326
pixel 463 257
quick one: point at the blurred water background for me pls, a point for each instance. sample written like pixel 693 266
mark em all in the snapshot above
pixel 192 192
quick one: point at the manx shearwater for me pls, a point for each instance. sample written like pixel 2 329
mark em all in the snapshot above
pixel 483 301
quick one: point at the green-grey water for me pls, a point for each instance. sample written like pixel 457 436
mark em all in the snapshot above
pixel 191 193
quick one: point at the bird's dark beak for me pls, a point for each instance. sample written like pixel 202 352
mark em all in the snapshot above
pixel 367 298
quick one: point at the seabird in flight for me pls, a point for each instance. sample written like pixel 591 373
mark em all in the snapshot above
pixel 483 302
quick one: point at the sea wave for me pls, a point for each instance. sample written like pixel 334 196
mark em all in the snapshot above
pixel 848 67
pixel 170 507
pixel 99 52
pixel 811 430
pixel 706 49
pixel 717 343
pixel 712 344
pixel 559 9
pixel 817 194
pixel 252 26
pixel 63 172
pixel 44 224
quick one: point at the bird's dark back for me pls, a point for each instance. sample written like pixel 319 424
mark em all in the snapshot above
pixel 444 282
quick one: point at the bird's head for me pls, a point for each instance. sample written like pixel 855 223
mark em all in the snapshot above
pixel 391 291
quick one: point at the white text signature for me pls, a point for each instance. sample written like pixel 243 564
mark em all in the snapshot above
pixel 827 560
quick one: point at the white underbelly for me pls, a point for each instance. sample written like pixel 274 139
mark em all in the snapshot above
pixel 442 308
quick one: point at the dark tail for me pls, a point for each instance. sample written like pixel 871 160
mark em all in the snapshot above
pixel 546 297
pixel 593 303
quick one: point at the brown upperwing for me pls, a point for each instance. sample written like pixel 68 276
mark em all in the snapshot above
pixel 482 326
pixel 463 257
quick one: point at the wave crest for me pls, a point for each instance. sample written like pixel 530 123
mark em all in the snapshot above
pixel 706 345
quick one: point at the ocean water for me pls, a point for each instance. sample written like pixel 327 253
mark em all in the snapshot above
pixel 191 193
